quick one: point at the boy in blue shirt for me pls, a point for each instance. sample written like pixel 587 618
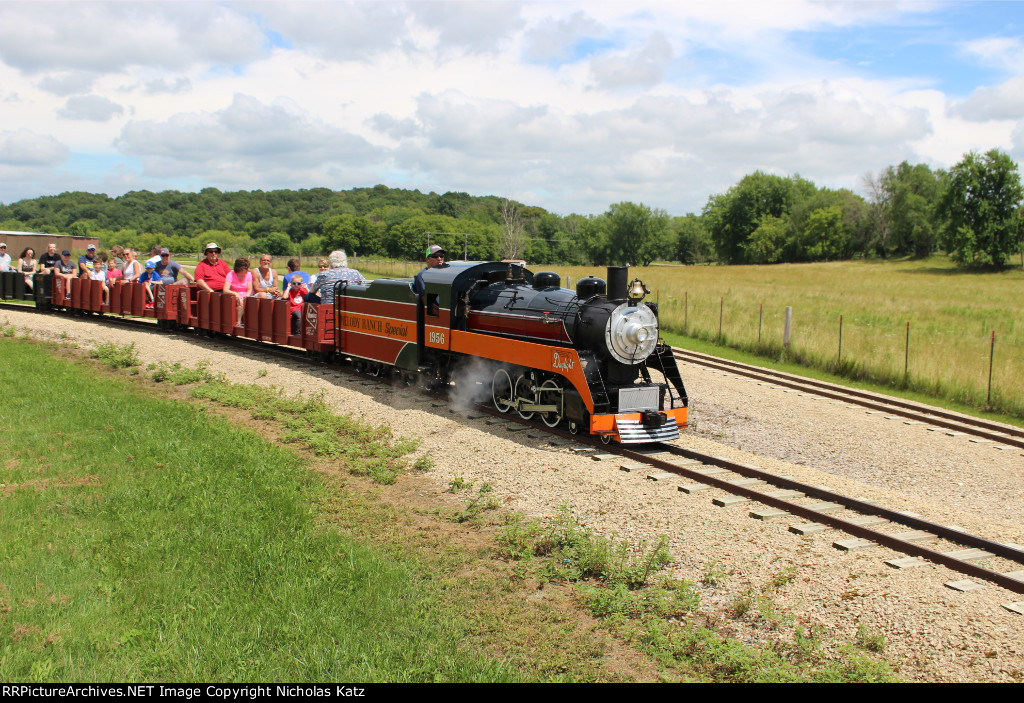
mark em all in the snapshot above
pixel 148 278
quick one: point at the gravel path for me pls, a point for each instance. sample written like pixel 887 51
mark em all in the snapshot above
pixel 932 632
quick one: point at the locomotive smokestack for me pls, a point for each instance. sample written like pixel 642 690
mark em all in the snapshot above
pixel 617 282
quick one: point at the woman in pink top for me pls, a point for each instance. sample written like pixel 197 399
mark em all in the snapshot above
pixel 239 284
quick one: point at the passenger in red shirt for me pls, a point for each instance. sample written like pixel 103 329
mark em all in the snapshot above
pixel 296 295
pixel 211 271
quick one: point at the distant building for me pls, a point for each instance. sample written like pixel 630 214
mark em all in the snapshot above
pixel 39 241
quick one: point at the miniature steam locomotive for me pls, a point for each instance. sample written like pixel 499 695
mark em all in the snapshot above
pixel 582 357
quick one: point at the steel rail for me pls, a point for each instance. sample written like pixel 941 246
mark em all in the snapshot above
pixel 900 545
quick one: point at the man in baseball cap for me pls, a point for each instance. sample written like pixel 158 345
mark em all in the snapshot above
pixel 435 257
pixel 87 261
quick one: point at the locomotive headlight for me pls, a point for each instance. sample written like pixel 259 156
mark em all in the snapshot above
pixel 631 333
pixel 635 332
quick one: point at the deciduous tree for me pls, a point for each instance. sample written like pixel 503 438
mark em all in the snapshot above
pixel 637 234
pixel 982 197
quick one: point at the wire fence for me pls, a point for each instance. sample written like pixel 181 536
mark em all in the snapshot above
pixel 984 370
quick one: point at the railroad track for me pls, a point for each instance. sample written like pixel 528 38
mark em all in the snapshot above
pixel 867 523
pixel 825 509
pixel 914 412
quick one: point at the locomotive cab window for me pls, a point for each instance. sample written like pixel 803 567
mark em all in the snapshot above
pixel 433 305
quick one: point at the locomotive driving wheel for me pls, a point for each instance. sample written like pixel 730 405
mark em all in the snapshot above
pixel 551 394
pixel 501 391
pixel 525 388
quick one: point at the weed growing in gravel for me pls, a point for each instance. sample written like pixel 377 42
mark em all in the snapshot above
pixel 770 612
pixel 741 604
pixel 780 579
pixel 477 505
pixel 177 375
pixel 665 598
pixel 577 553
pixel 768 609
pixel 807 644
pixel 7 329
pixel 714 575
pixel 423 462
pixel 870 640
pixel 619 584
pixel 363 449
pixel 458 483
pixel 117 356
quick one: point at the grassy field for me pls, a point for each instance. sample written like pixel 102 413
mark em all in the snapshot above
pixel 952 315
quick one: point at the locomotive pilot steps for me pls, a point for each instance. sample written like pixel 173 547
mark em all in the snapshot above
pixel 583 357
pixel 589 359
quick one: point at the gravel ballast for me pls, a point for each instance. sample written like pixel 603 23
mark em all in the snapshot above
pixel 932 632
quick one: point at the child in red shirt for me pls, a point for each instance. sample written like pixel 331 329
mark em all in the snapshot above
pixel 296 293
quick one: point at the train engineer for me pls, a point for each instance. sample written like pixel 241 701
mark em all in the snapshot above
pixel 435 258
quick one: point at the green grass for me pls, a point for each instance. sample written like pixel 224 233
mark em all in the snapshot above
pixel 364 450
pixel 145 540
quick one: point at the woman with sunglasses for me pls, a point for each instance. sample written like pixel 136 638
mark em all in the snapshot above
pixel 322 267
pixel 132 267
pixel 238 283
pixel 264 282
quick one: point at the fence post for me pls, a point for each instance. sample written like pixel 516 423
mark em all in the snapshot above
pixel 789 326
pixel 906 353
pixel 760 317
pixel 721 310
pixel 686 311
pixel 991 356
pixel 839 359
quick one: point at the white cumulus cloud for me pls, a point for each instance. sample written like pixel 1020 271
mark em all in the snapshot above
pixel 26 148
pixel 246 135
pixel 95 108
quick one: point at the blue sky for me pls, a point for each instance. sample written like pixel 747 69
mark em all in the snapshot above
pixel 925 46
pixel 572 106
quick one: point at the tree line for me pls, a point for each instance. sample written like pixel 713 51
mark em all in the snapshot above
pixel 972 211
